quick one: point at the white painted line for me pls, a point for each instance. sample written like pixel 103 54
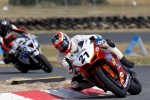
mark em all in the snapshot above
pixel 11 96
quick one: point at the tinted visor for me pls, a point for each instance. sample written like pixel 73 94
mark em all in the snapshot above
pixel 4 28
pixel 63 46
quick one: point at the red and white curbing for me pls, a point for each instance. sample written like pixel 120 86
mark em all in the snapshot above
pixel 52 94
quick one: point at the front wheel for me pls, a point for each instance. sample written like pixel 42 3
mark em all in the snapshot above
pixel 44 63
pixel 135 87
pixel 102 77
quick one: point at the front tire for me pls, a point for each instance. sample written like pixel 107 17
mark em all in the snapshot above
pixel 102 77
pixel 135 87
pixel 44 63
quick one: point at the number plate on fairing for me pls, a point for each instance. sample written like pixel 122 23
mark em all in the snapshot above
pixel 84 56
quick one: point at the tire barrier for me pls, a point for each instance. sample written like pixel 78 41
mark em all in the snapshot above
pixel 108 22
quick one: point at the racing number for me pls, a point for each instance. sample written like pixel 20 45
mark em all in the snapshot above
pixel 81 58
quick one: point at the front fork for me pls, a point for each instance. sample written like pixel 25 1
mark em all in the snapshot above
pixel 119 76
pixel 34 54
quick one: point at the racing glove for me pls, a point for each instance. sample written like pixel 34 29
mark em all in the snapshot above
pixel 99 41
pixel 71 69
pixel 12 51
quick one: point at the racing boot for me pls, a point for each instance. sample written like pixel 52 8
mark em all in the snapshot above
pixel 6 61
pixel 127 63
pixel 79 83
pixel 6 58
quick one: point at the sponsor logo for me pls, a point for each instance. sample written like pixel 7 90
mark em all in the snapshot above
pixel 121 74
pixel 97 48
pixel 113 61
pixel 109 57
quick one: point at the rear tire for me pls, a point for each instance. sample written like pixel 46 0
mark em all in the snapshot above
pixel 102 77
pixel 21 67
pixel 135 87
pixel 44 63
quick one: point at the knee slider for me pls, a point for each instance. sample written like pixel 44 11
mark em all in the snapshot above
pixel 75 84
pixel 110 43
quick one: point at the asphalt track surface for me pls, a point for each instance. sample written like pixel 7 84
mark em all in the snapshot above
pixel 116 37
pixel 143 73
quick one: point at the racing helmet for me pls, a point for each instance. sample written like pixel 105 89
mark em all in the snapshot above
pixel 62 42
pixel 5 25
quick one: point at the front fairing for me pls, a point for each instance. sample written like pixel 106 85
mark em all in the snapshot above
pixel 28 46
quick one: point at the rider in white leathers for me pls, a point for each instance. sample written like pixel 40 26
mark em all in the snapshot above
pixel 67 47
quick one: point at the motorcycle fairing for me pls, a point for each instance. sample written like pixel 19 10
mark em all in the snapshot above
pixel 85 55
pixel 28 46
pixel 90 53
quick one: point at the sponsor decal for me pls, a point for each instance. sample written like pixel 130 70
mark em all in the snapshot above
pixel 113 61
pixel 121 74
pixel 97 48
pixel 109 57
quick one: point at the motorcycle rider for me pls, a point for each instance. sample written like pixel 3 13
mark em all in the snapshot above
pixel 7 37
pixel 68 46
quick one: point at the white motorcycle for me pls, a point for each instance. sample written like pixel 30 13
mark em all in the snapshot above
pixel 28 55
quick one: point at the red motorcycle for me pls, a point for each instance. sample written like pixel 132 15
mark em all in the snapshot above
pixel 104 70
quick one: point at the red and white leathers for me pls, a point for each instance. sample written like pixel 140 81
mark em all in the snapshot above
pixel 7 41
pixel 76 41
pixel 8 37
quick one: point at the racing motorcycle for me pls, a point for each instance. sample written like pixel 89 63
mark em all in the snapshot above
pixel 103 69
pixel 28 55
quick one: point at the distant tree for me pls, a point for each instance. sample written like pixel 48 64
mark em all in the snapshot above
pixel 22 2
pixel 56 2
pixel 98 1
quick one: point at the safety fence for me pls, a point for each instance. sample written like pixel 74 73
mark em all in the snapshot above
pixel 113 22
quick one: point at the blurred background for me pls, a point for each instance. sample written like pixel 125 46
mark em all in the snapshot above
pixel 81 16
pixel 77 14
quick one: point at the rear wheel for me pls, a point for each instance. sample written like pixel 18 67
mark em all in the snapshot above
pixel 21 67
pixel 44 63
pixel 109 84
pixel 135 87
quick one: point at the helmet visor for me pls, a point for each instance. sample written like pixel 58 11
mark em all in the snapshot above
pixel 63 46
pixel 4 28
